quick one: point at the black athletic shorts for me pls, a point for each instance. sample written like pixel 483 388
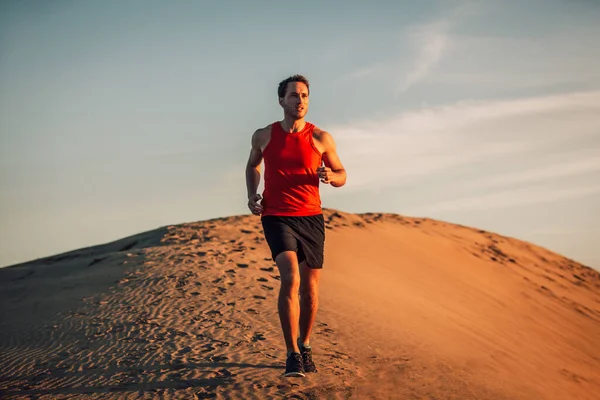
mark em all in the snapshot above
pixel 304 235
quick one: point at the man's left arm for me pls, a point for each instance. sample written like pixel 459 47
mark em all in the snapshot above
pixel 333 172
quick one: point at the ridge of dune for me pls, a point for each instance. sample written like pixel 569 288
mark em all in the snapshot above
pixel 410 308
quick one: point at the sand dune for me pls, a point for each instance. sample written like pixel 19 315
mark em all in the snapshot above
pixel 410 309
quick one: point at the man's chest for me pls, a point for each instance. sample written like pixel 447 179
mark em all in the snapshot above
pixel 297 152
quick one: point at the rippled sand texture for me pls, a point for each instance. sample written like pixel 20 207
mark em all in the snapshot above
pixel 410 308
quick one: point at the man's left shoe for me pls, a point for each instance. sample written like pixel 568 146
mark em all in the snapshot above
pixel 309 365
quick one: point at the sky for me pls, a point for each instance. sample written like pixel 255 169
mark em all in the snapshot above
pixel 118 117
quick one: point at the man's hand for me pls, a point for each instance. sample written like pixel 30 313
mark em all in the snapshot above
pixel 325 174
pixel 253 204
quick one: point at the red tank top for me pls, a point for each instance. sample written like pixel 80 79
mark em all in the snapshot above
pixel 291 180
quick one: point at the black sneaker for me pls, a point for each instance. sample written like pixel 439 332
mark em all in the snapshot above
pixel 294 366
pixel 309 365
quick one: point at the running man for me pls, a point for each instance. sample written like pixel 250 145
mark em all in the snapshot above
pixel 294 152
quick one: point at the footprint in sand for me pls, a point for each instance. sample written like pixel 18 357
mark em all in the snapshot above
pixel 242 265
pixel 258 336
pixel 214 312
pixel 224 374
pixel 181 282
pixel 217 358
pixel 221 258
pixel 325 332
pixel 206 393
pixel 375 359
pixel 266 287
pixel 259 297
pixel 262 280
pixel 209 347
pixel 268 269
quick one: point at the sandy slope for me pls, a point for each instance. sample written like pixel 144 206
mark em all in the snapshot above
pixel 410 309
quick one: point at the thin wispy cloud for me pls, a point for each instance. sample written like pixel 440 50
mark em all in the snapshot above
pixel 509 198
pixel 428 43
pixel 364 72
pixel 548 172
pixel 478 147
pixel 431 41
pixel 496 61
pixel 556 231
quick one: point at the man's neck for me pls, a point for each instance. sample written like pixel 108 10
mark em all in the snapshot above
pixel 292 125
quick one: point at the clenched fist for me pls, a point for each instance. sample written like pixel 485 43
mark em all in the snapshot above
pixel 325 174
pixel 254 204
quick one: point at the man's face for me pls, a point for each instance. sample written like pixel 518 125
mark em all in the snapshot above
pixel 295 102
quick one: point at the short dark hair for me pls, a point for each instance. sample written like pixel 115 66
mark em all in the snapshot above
pixel 294 78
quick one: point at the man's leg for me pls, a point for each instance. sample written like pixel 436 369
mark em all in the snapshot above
pixel 288 304
pixel 309 300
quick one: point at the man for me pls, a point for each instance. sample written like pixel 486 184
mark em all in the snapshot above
pixel 294 151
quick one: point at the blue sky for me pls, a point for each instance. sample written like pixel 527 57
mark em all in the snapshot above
pixel 118 117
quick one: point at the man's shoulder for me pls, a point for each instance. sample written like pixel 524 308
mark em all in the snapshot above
pixel 321 134
pixel 262 136
pixel 263 131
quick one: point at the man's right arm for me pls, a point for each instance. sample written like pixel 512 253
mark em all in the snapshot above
pixel 253 165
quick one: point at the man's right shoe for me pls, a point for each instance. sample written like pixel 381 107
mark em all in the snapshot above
pixel 294 365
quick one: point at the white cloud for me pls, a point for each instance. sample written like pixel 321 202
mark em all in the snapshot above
pixel 428 143
pixel 556 231
pixel 431 41
pixel 501 62
pixel 560 170
pixel 509 198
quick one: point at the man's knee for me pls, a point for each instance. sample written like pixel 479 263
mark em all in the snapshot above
pixel 288 271
pixel 290 283
pixel 309 289
pixel 309 295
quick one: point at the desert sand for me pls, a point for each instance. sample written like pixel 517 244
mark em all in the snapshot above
pixel 410 308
